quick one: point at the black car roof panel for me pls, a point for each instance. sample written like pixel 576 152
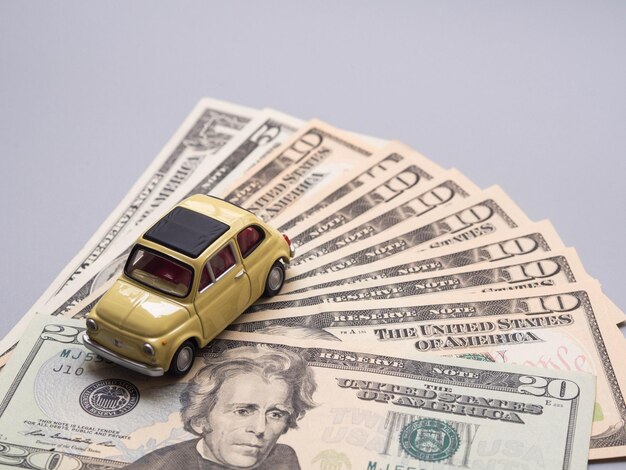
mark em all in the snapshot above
pixel 186 231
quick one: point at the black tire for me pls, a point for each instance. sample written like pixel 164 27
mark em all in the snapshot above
pixel 183 359
pixel 275 280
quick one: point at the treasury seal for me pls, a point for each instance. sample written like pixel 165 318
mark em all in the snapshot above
pixel 429 440
pixel 109 398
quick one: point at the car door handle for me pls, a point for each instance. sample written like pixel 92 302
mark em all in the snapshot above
pixel 240 274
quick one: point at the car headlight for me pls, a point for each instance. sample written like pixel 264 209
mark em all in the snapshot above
pixel 92 325
pixel 148 350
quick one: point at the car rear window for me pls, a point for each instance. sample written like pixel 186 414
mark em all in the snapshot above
pixel 159 272
pixel 249 238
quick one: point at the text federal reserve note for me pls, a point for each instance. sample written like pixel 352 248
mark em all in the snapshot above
pixel 482 214
pixel 539 237
pixel 371 215
pixel 530 272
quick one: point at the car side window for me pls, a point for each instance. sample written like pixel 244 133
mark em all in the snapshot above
pixel 205 278
pixel 249 239
pixel 221 262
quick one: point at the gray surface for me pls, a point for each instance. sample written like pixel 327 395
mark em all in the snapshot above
pixel 528 95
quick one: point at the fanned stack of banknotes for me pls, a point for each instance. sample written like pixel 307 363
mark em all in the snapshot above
pixel 425 323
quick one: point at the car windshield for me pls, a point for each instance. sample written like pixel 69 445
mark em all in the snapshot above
pixel 159 272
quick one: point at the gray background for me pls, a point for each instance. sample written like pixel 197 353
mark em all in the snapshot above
pixel 528 95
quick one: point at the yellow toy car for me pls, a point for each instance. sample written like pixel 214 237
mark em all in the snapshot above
pixel 185 280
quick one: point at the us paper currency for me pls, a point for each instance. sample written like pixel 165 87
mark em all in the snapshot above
pixel 294 163
pixel 530 272
pixel 395 169
pixel 539 237
pixel 371 215
pixel 531 239
pixel 250 402
pixel 330 156
pixel 557 328
pixel 482 214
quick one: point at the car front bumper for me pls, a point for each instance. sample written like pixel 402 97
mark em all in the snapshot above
pixel 123 361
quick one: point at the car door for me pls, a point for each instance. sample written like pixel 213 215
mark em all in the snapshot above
pixel 223 291
pixel 251 241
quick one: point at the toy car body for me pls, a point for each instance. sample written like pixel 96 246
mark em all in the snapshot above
pixel 186 279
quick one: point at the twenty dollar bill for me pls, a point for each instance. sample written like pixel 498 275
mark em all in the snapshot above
pixel 252 403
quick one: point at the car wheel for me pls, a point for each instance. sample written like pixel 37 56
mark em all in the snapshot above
pixel 183 359
pixel 275 280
